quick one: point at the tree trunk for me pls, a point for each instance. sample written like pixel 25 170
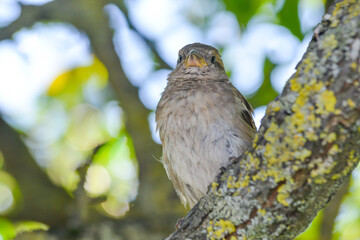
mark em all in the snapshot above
pixel 307 145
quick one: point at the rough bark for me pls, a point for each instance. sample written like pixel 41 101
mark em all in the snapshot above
pixel 307 145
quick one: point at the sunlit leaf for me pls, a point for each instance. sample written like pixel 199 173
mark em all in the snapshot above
pixel 87 127
pixel 118 157
pixel 29 226
pixel 114 208
pixel 7 229
pixel 62 169
pixel 72 80
pixel 9 183
pixel 98 180
pixel 120 148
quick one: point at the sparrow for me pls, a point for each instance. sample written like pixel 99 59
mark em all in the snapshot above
pixel 203 121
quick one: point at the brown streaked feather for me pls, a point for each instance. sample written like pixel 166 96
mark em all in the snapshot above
pixel 203 121
pixel 246 114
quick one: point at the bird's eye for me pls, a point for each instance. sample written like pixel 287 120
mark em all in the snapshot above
pixel 179 59
pixel 213 59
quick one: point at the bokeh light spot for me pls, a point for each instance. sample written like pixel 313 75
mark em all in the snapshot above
pixel 97 181
pixel 6 198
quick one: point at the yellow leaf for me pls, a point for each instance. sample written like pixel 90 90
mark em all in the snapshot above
pixel 73 80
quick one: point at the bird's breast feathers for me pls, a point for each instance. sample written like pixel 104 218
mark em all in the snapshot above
pixel 200 128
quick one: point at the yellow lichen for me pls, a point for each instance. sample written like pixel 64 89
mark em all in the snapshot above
pixel 354 10
pixel 351 103
pixel 353 65
pixel 243 182
pixel 231 182
pixel 295 85
pixel 331 137
pixel 339 8
pixel 214 186
pixel 298 119
pixel 220 229
pixel 328 137
pixel 210 228
pixel 334 149
pixel 311 136
pixel 328 44
pixel 282 195
pixel 262 212
pixel 326 103
pixel 336 176
pixel 255 140
pixel 320 180
pixel 272 132
pixel 302 154
pixel 309 64
pixel 351 161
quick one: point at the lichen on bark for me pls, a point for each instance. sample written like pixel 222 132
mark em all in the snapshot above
pixel 307 145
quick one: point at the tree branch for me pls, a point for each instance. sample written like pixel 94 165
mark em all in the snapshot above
pixel 331 211
pixel 162 64
pixel 307 145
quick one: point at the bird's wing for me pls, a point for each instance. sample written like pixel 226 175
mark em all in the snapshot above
pixel 175 180
pixel 246 114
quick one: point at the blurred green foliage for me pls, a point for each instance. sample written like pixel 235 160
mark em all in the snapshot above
pixel 245 10
pixel 266 92
pixel 9 230
pixel 288 17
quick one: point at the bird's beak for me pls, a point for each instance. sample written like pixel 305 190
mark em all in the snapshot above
pixel 194 59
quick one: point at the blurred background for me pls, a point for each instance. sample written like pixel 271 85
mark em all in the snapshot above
pixel 79 83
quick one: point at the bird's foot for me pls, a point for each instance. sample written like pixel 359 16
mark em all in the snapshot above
pixel 179 223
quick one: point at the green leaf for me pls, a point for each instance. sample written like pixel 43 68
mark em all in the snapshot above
pixel 29 226
pixel 121 148
pixel 289 17
pixel 7 229
pixel 244 9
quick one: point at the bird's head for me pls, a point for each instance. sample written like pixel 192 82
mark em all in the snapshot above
pixel 198 61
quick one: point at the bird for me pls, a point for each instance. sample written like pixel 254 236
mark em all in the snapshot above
pixel 204 122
